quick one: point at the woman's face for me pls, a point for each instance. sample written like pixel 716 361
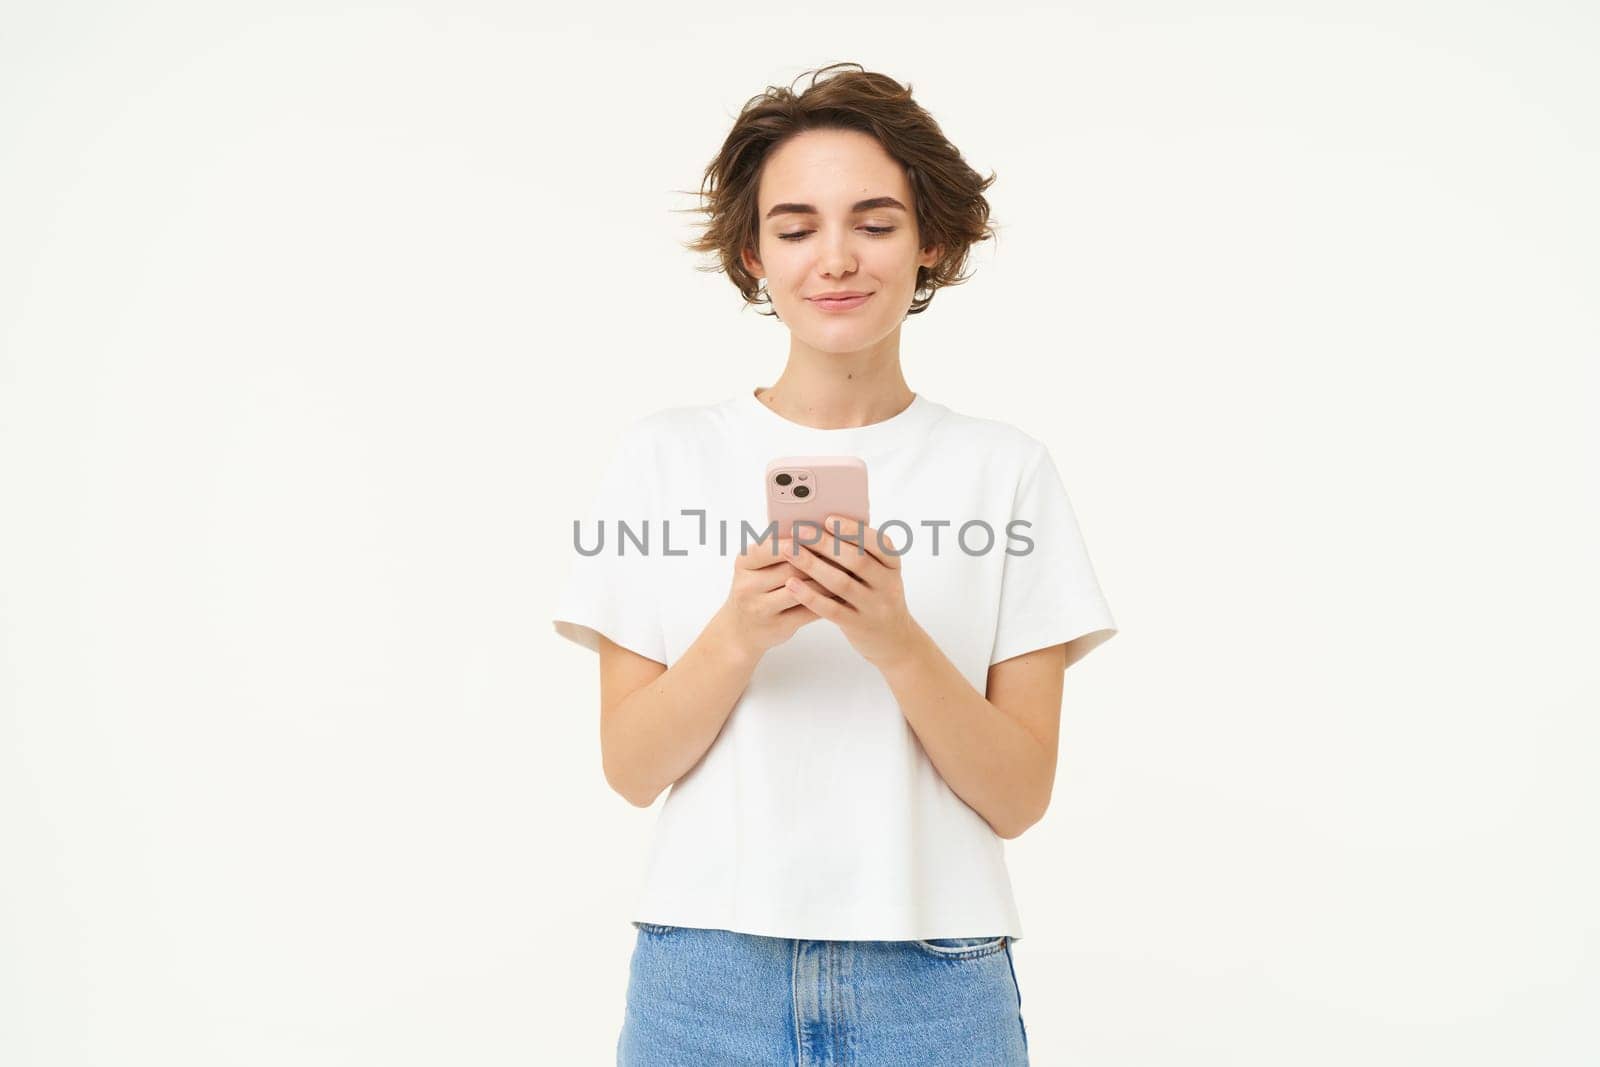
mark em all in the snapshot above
pixel 836 214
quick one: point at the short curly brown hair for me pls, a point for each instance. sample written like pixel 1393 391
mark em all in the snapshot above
pixel 950 206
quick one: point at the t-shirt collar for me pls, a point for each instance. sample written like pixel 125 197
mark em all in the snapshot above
pixel 910 419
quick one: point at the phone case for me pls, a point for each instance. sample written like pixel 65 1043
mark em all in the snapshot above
pixel 805 489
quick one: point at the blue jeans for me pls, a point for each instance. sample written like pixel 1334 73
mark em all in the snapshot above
pixel 715 998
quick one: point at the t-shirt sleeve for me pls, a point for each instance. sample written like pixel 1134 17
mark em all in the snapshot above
pixel 613 591
pixel 1048 593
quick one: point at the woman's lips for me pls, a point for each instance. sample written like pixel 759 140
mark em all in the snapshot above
pixel 847 304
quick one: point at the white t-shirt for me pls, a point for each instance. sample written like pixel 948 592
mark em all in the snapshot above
pixel 816 813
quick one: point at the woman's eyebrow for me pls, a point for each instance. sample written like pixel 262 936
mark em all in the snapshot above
pixel 859 206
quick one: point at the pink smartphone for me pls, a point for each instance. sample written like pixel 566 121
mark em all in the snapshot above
pixel 805 489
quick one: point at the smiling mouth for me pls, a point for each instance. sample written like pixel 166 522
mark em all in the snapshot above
pixel 844 303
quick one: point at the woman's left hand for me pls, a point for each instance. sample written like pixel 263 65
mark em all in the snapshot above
pixel 860 570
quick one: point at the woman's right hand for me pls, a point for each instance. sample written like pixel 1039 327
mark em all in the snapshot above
pixel 761 610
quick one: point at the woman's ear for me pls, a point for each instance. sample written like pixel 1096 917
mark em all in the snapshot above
pixel 752 263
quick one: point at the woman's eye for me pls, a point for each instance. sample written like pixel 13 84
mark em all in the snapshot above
pixel 876 231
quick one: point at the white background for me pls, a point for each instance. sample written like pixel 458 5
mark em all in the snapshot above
pixel 318 321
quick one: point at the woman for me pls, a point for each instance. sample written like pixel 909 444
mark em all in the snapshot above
pixel 849 727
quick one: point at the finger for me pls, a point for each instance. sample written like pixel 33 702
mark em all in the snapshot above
pixel 812 583
pixel 825 555
pixel 774 577
pixel 800 612
pixel 778 600
pixel 764 554
pixel 868 541
pixel 813 598
pixel 844 549
pixel 835 580
pixel 837 575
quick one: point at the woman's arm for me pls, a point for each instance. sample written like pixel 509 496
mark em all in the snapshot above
pixel 996 752
pixel 657 721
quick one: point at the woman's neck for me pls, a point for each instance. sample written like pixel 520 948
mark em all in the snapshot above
pixel 836 402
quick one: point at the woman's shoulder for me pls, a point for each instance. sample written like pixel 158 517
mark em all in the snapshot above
pixel 992 436
pixel 676 420
pixel 680 430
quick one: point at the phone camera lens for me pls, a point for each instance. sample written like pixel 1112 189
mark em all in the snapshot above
pixel 801 490
pixel 783 479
